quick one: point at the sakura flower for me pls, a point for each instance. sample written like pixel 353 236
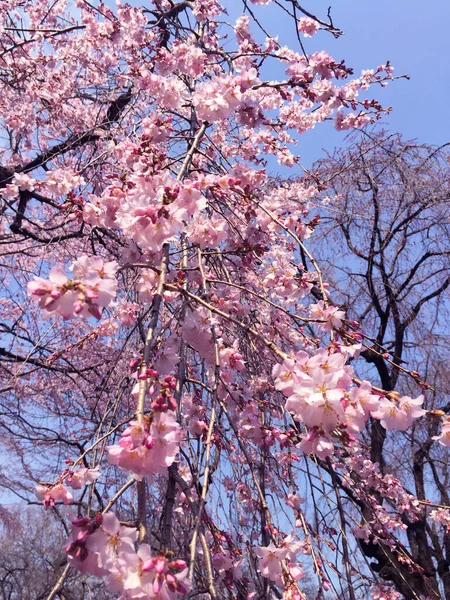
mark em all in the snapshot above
pixel 42 288
pixel 399 415
pixel 205 9
pixel 317 443
pixel 197 427
pixel 166 433
pixel 83 477
pixel 53 493
pixel 147 448
pixel 167 583
pixel 363 395
pixel 355 417
pixel 10 192
pixel 291 592
pixel 92 269
pixel 270 561
pixel 291 546
pixel 78 554
pixel 284 376
pixel 344 121
pixel 296 572
pixel 444 436
pixel 24 181
pixel 93 288
pixel 331 315
pixel 230 357
pixel 289 372
pixel 222 562
pixel 154 577
pixel 126 313
pixel 216 99
pixel 308 26
pixel 242 28
pixel 208 231
pixel 362 532
pixel 110 539
pixel 383 592
pixel 442 516
pixel 295 501
pixel 61 181
pixel 317 402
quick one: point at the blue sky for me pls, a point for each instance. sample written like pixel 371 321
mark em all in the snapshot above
pixel 413 35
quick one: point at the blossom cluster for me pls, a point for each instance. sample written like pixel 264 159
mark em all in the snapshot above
pixel 147 448
pixel 92 288
pixel 274 562
pixel 444 436
pixel 50 494
pixel 101 546
pixel 383 592
pixel 320 394
pixel 154 209
pixel 441 516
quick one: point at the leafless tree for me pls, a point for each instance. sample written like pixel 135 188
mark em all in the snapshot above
pixel 385 241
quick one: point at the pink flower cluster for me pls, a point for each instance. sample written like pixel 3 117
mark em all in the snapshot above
pixel 331 316
pixel 183 57
pixel 154 210
pixel 92 288
pixel 147 448
pixel 444 436
pixel 383 592
pixel 58 182
pixel 102 546
pixel 401 414
pixel 320 396
pixel 216 99
pixel 363 476
pixel 308 26
pixel 274 561
pixel 81 477
pixel 126 313
pixel 316 388
pixel 441 516
pixel 49 494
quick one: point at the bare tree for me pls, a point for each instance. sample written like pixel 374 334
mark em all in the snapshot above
pixel 385 241
pixel 32 558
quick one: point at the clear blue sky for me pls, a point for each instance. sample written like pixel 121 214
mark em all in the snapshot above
pixel 413 35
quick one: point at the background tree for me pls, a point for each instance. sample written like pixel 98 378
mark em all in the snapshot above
pixel 385 244
pixel 32 558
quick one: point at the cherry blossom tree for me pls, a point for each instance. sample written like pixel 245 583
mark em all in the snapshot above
pixel 178 383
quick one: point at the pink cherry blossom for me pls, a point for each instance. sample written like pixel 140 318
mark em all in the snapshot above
pixel 399 414
pixel 308 26
pixel 82 477
pixel 138 178
pixel 270 561
pixel 146 448
pixel 53 493
pixel 110 540
pixel 316 443
pixel 444 436
pixel 331 315
pixel 78 554
pixel 92 289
